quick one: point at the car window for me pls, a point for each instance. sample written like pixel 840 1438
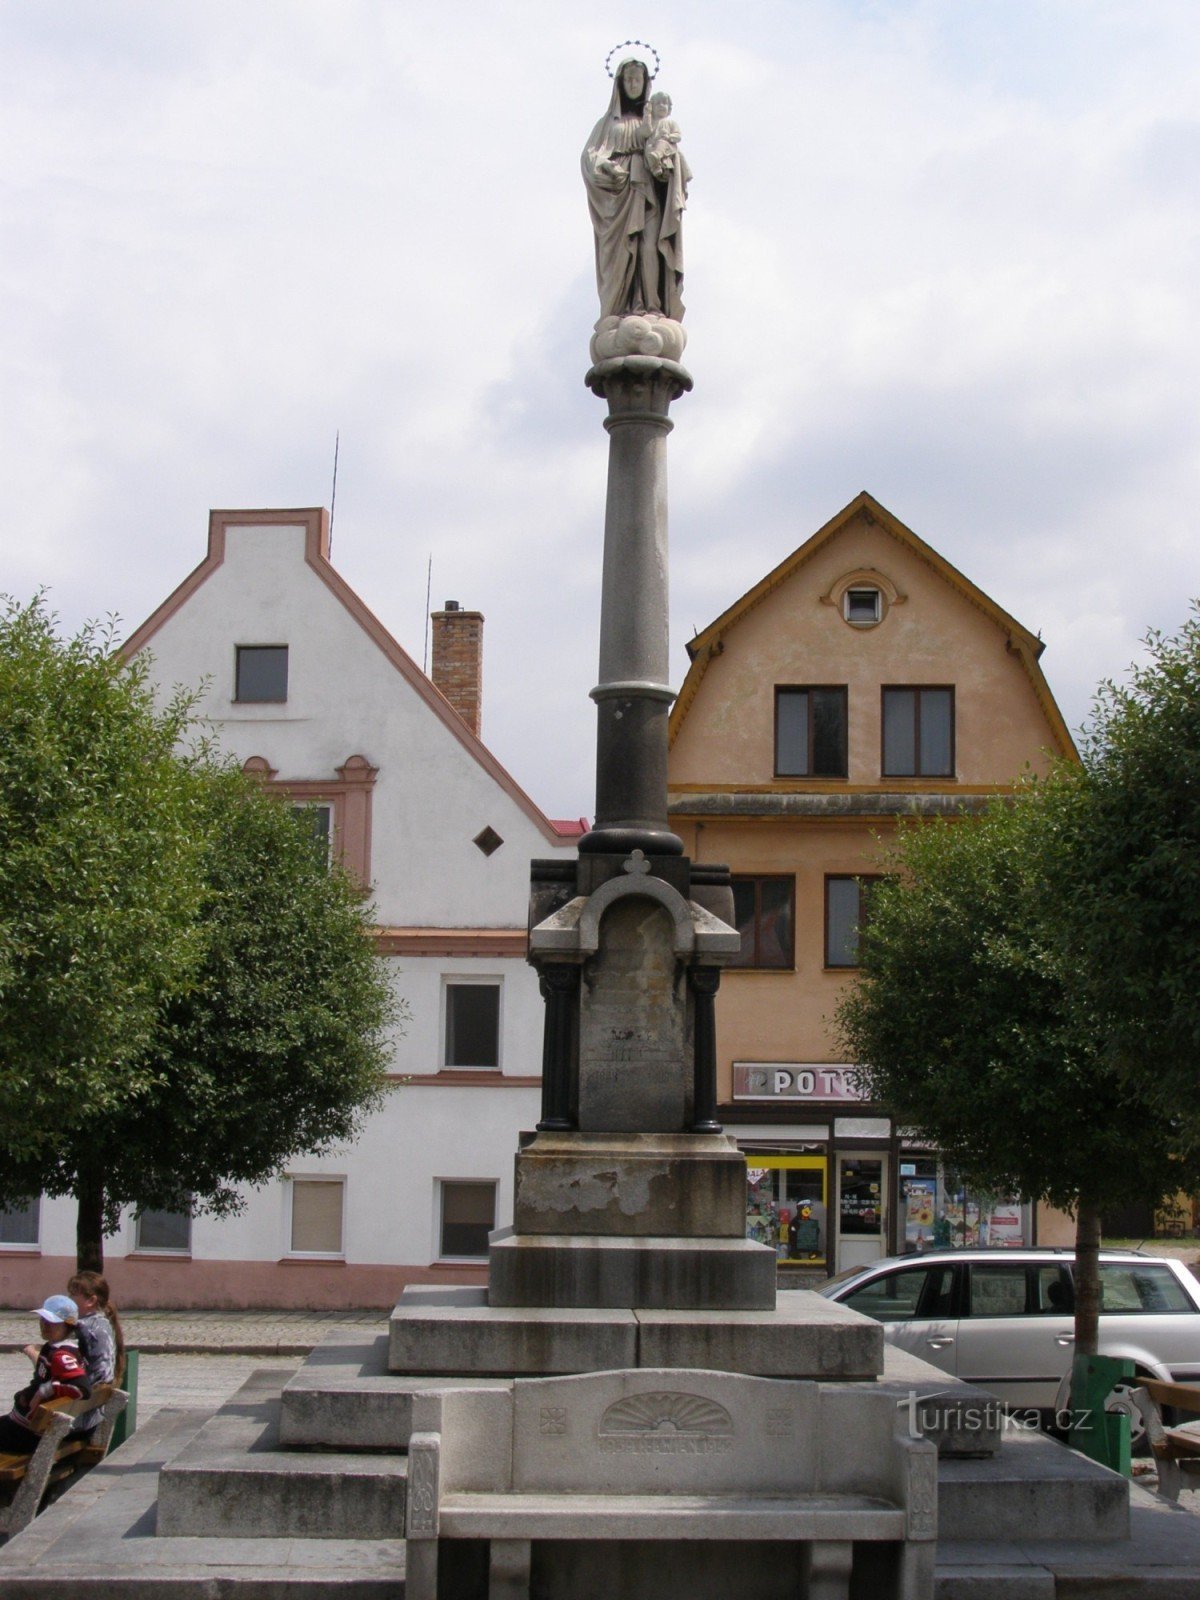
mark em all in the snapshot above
pixel 902 1295
pixel 1053 1295
pixel 998 1291
pixel 1136 1288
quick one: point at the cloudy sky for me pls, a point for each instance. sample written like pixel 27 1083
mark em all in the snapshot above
pixel 944 250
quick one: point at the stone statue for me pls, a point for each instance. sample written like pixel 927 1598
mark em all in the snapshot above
pixel 636 178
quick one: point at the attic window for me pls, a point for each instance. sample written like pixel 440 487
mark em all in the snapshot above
pixel 862 607
pixel 489 841
pixel 262 674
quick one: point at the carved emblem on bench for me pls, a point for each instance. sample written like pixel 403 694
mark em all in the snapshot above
pixel 553 1420
pixel 666 1421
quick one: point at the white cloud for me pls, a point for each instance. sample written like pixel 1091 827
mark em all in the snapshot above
pixel 944 252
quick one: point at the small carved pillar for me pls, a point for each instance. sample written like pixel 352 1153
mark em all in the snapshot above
pixel 705 982
pixel 559 984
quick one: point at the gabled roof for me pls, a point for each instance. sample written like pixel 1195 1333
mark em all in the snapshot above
pixel 1018 639
pixel 315 521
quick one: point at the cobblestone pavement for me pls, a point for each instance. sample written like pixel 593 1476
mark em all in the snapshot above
pixel 258 1333
pixel 197 1382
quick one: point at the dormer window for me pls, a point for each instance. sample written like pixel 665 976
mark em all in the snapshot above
pixel 262 674
pixel 862 606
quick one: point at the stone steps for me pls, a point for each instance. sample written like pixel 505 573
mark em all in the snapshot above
pixel 235 1480
pixel 99 1542
pixel 1033 1489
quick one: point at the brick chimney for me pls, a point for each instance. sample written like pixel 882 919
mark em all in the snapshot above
pixel 457 668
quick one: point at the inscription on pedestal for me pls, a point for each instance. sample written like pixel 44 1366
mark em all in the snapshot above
pixel 633 1067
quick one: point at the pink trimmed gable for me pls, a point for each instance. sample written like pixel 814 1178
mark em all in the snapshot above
pixel 315 521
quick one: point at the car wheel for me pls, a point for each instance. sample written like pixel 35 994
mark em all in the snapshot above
pixel 1119 1401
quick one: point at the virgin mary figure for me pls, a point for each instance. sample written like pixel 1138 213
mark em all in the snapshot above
pixel 635 216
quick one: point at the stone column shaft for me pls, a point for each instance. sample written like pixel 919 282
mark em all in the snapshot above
pixel 633 697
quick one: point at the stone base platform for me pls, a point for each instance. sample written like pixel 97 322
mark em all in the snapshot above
pixel 99 1540
pixel 455 1332
pixel 563 1271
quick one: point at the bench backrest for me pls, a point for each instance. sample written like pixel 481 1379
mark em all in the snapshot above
pixel 71 1408
pixel 672 1431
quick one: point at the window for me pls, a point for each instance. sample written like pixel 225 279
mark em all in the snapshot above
pixel 846 911
pixel 862 606
pixel 810 733
pixel 1140 1288
pixel 901 1296
pixel 262 673
pixel 918 733
pixel 316 819
pixel 468 1216
pixel 316 1223
pixel 998 1291
pixel 763 915
pixel 164 1230
pixel 19 1224
pixel 472 1025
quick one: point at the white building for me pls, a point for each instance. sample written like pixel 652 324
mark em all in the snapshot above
pixel 304 684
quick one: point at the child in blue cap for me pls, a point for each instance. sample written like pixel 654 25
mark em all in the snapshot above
pixel 57 1371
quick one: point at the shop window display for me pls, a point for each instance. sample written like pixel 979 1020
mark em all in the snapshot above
pixel 786 1206
pixel 939 1211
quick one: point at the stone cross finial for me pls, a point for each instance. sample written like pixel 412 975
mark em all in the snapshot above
pixel 636 863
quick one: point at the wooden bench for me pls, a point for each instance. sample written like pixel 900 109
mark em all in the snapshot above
pixel 1171 1447
pixel 57 1454
pixel 657 1481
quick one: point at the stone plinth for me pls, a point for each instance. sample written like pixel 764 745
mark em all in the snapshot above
pixel 634 1184
pixel 455 1331
pixel 567 1270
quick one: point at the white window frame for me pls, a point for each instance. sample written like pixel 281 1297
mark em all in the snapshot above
pixel 175 1252
pixel 23 1246
pixel 293 1254
pixel 328 807
pixel 441 1185
pixel 455 980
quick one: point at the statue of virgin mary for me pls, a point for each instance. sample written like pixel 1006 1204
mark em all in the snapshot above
pixel 636 216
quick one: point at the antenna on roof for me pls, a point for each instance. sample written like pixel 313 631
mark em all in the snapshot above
pixel 428 588
pixel 337 439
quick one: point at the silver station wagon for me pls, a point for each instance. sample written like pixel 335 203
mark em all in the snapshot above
pixel 1005 1319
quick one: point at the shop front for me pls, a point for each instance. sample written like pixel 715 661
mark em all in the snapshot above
pixel 834 1186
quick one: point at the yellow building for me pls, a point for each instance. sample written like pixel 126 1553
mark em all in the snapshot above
pixel 861 681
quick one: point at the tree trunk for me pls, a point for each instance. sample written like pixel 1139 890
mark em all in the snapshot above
pixel 89 1223
pixel 1087 1278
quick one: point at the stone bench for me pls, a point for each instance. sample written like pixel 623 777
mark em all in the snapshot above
pixel 644 1482
pixel 57 1454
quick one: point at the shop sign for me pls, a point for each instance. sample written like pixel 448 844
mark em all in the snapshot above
pixel 792 1080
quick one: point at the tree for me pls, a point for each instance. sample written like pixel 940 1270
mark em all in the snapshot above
pixel 973 1021
pixel 100 880
pixel 264 1036
pixel 1129 888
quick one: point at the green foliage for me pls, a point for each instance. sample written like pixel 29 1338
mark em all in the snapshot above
pixel 189 996
pixel 100 877
pixel 973 1022
pixel 1130 888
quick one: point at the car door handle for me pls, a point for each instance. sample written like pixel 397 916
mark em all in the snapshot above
pixel 939 1344
pixel 1064 1339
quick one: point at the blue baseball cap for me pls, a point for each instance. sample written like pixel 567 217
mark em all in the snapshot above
pixel 58 1308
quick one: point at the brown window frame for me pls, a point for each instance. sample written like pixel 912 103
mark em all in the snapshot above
pixel 810 689
pixel 859 878
pixel 917 690
pixel 758 879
